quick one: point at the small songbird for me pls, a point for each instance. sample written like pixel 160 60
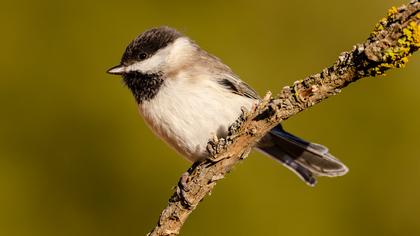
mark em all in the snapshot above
pixel 187 96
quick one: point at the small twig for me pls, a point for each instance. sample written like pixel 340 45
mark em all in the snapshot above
pixel 394 38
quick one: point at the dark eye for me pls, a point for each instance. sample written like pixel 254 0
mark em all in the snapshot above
pixel 143 56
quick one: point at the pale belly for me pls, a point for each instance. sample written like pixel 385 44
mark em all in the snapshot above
pixel 187 116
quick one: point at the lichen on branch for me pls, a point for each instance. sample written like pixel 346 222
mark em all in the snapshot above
pixel 408 41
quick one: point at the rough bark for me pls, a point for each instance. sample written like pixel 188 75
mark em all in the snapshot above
pixel 394 38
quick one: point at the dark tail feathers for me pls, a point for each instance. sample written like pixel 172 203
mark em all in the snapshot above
pixel 306 159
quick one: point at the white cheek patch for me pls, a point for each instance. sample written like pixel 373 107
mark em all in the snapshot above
pixel 169 56
pixel 181 50
pixel 151 64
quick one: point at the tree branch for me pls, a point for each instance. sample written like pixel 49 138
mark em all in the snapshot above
pixel 394 38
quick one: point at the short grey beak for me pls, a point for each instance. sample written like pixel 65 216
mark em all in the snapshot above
pixel 117 70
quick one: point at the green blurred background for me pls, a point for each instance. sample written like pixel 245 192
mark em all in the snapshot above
pixel 76 159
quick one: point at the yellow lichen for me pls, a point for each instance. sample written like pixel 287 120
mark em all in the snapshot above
pixel 384 21
pixel 414 29
pixel 392 11
pixel 379 27
pixel 397 56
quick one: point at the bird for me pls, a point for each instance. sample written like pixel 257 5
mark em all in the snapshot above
pixel 187 96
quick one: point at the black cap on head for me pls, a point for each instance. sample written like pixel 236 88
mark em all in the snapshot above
pixel 150 41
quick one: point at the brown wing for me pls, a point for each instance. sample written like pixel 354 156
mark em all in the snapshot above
pixel 237 86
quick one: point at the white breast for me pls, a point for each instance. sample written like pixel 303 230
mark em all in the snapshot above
pixel 187 112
